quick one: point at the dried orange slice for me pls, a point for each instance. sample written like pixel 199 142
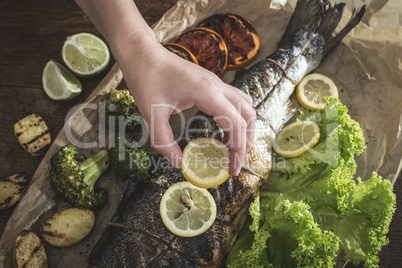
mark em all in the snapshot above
pixel 181 52
pixel 207 46
pixel 240 36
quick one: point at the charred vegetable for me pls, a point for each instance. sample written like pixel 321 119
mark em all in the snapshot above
pixel 121 111
pixel 11 189
pixel 127 161
pixel 33 134
pixel 73 177
pixel 67 227
pixel 29 251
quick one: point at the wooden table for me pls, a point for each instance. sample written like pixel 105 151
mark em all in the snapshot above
pixel 32 33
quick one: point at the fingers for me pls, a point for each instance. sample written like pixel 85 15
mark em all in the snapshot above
pixel 234 114
pixel 243 104
pixel 241 94
pixel 231 121
pixel 162 136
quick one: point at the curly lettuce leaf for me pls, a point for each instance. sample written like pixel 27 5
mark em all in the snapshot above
pixel 311 204
pixel 287 236
pixel 364 225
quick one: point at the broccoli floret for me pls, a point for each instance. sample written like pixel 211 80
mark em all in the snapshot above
pixel 129 162
pixel 73 177
pixel 120 108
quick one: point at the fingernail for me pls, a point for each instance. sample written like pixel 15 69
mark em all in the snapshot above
pixel 176 161
pixel 233 169
pixel 236 172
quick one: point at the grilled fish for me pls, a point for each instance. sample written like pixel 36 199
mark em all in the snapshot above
pixel 136 236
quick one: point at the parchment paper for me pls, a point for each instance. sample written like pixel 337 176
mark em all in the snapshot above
pixel 366 67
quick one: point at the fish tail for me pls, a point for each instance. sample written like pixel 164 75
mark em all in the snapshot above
pixel 306 17
pixel 330 44
pixel 319 17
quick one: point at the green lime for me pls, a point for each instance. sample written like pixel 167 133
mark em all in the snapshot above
pixel 85 54
pixel 59 83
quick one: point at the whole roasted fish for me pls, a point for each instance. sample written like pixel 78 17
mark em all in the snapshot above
pixel 136 235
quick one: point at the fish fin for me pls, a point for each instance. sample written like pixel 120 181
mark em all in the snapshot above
pixel 321 18
pixel 330 19
pixel 332 43
pixel 307 16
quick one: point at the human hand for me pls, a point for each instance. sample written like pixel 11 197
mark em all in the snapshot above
pixel 156 76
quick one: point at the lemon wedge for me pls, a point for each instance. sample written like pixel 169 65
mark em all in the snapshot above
pixel 205 162
pixel 187 210
pixel 313 89
pixel 297 138
pixel 85 54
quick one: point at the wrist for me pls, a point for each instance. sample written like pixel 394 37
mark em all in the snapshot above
pixel 136 51
pixel 137 41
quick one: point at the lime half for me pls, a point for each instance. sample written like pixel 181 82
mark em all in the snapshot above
pixel 85 54
pixel 297 138
pixel 59 83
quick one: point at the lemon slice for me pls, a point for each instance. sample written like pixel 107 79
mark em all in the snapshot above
pixel 313 89
pixel 297 138
pixel 187 210
pixel 205 162
pixel 85 54
pixel 59 83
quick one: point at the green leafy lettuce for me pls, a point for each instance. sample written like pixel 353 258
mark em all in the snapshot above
pixel 312 210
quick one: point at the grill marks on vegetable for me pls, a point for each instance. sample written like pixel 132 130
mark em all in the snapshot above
pixel 29 251
pixel 33 134
pixel 12 188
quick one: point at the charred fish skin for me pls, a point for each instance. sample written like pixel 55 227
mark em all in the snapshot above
pixel 136 236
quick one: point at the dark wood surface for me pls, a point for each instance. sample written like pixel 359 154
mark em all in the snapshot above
pixel 32 33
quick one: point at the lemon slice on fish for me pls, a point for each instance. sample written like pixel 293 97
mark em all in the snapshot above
pixel 313 89
pixel 205 162
pixel 297 138
pixel 187 210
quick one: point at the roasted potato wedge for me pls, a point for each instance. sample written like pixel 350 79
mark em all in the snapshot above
pixel 33 134
pixel 12 188
pixel 29 251
pixel 67 227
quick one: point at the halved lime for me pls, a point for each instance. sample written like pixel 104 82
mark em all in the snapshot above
pixel 187 210
pixel 59 83
pixel 297 138
pixel 85 54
